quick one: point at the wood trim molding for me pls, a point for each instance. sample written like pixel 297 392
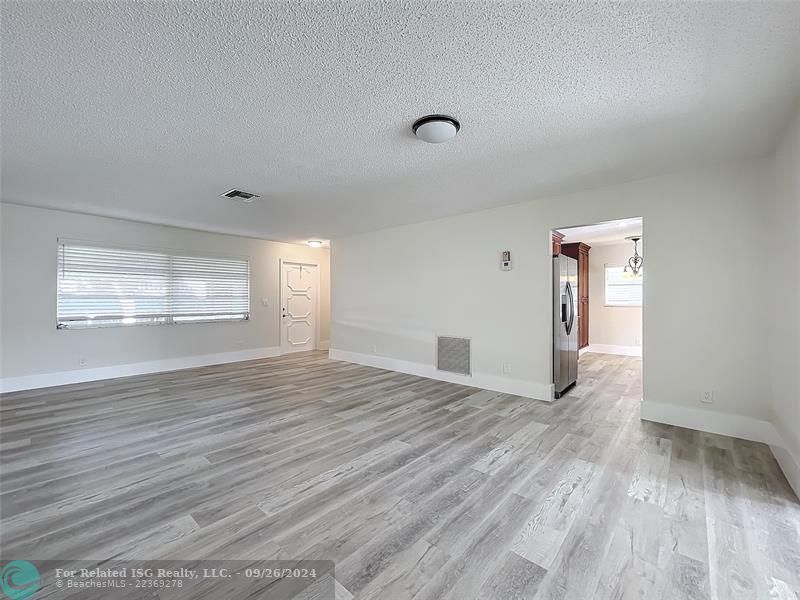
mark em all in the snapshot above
pixel 572 249
pixel 485 381
pixel 557 237
pixel 738 426
pixel 710 421
pixel 789 462
pixel 613 349
pixel 42 380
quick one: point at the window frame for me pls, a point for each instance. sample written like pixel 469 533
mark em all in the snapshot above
pixel 606 267
pixel 167 319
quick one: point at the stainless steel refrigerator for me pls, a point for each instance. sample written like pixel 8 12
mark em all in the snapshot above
pixel 565 323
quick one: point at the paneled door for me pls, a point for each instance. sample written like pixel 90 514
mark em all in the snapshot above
pixel 299 296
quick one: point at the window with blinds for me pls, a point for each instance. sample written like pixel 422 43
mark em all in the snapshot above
pixel 623 289
pixel 103 286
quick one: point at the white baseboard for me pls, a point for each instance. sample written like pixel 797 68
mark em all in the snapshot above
pixel 710 421
pixel 746 428
pixel 788 457
pixel 612 349
pixel 30 382
pixel 323 344
pixel 495 383
pixel 790 465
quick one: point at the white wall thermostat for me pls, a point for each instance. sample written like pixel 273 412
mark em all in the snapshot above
pixel 505 261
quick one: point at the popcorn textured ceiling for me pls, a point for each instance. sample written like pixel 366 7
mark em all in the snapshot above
pixel 150 110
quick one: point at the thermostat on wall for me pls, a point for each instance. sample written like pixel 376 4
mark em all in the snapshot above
pixel 505 262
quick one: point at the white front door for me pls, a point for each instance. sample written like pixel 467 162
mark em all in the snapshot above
pixel 298 307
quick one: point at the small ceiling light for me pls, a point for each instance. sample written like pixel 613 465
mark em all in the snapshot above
pixel 635 261
pixel 315 243
pixel 436 129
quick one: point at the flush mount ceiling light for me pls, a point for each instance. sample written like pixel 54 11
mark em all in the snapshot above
pixel 315 243
pixel 436 129
pixel 635 261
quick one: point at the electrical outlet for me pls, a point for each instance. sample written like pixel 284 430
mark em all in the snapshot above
pixel 83 361
pixel 265 302
pixel 707 397
pixel 506 367
pixel 374 349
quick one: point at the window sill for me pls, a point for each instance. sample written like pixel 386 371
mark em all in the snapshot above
pixel 156 323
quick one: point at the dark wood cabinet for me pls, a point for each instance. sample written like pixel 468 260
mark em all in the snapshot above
pixel 557 237
pixel 580 252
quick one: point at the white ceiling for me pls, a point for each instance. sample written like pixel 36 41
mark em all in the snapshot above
pixel 150 110
pixel 608 232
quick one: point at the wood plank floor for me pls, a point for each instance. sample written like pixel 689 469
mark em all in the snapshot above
pixel 415 488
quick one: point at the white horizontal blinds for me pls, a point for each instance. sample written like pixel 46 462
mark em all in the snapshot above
pixel 98 286
pixel 623 289
pixel 114 286
pixel 209 288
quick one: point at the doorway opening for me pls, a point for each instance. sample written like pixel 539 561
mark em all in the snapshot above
pixel 598 285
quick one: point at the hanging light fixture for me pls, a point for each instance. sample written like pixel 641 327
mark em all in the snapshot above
pixel 635 261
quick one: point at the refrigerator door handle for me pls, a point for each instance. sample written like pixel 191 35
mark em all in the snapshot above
pixel 571 308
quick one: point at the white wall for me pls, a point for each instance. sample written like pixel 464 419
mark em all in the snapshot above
pixel 611 325
pixel 784 322
pixel 32 346
pixel 395 289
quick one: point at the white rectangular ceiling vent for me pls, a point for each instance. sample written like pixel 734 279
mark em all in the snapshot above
pixel 454 354
pixel 240 195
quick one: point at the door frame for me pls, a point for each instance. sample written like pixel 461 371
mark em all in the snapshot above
pixel 308 263
pixel 645 300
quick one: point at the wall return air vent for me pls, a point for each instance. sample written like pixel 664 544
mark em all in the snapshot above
pixel 240 195
pixel 454 354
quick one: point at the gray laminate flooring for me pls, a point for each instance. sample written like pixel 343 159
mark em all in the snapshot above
pixel 415 488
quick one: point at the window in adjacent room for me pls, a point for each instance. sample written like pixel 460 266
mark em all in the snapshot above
pixel 104 286
pixel 623 289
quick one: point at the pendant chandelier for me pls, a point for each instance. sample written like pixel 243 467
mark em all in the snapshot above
pixel 635 261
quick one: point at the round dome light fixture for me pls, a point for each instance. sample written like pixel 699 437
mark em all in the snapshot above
pixel 315 243
pixel 436 129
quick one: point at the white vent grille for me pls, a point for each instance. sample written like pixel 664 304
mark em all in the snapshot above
pixel 453 354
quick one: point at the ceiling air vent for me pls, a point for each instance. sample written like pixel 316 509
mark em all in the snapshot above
pixel 240 195
pixel 453 354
